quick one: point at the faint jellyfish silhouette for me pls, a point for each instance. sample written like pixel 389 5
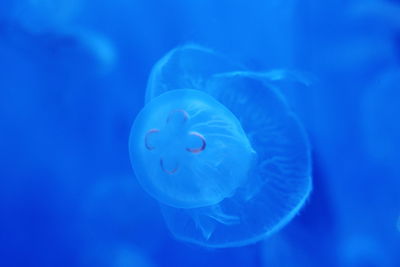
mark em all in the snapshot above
pixel 278 250
pixel 115 254
pixel 398 224
pixel 380 105
pixel 101 47
pixel 45 15
pixel 59 20
pixel 364 250
pixel 220 150
pixel 130 257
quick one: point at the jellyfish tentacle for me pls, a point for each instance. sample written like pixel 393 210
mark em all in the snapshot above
pixel 216 213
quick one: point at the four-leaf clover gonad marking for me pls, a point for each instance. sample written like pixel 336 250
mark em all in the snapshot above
pixel 195 150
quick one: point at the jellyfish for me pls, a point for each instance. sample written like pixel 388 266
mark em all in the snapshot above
pixel 220 150
pixel 42 16
pixel 186 134
pixel 55 23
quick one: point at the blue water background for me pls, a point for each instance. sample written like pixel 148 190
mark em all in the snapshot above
pixel 73 78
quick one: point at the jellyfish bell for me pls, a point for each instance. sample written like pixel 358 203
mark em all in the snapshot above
pixel 188 150
pixel 279 180
pixel 189 66
pixel 243 165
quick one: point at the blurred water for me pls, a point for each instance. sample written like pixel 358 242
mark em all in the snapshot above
pixel 73 78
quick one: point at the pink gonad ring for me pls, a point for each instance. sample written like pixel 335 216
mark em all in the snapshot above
pixel 196 150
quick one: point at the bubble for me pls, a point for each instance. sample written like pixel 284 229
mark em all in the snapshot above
pixel 219 149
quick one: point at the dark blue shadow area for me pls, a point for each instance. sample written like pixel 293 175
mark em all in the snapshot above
pixel 73 78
